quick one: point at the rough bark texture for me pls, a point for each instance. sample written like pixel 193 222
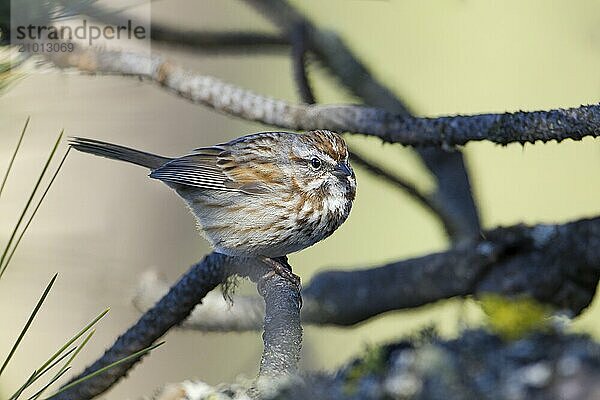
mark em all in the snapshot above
pixel 282 332
pixel 478 365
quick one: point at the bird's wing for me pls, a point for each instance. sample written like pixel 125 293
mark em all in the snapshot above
pixel 215 168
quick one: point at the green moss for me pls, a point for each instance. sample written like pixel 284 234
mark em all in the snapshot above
pixel 514 318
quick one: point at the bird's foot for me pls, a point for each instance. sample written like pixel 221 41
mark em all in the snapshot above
pixel 281 267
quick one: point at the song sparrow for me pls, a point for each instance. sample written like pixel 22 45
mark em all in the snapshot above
pixel 263 195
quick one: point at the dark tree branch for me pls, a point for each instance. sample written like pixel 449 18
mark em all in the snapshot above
pixel 555 264
pixel 453 192
pixel 521 127
pixel 453 186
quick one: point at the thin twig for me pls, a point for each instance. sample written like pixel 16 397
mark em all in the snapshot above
pixel 236 42
pixel 333 53
pixel 299 61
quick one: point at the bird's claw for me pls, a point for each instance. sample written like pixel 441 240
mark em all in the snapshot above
pixel 281 267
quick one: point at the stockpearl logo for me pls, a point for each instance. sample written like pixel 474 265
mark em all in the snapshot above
pixel 64 30
pixel 85 31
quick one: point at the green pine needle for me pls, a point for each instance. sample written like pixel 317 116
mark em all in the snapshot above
pixel 35 188
pixel 14 155
pixel 46 386
pixel 38 374
pixel 27 383
pixel 54 364
pixel 14 248
pixel 67 365
pixel 74 338
pixel 104 369
pixel 61 355
pixel 28 324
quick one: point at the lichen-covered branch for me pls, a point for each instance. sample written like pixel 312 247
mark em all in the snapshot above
pixel 282 333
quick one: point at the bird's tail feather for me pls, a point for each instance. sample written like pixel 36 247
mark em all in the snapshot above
pixel 117 152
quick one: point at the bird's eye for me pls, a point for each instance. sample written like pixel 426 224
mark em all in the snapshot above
pixel 315 163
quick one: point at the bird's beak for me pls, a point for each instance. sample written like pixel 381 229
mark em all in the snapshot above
pixel 343 170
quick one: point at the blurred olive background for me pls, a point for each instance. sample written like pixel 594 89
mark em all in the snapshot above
pixel 105 222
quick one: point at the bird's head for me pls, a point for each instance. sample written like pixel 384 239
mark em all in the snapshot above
pixel 321 163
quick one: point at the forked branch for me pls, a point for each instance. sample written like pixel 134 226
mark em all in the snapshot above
pixel 555 264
